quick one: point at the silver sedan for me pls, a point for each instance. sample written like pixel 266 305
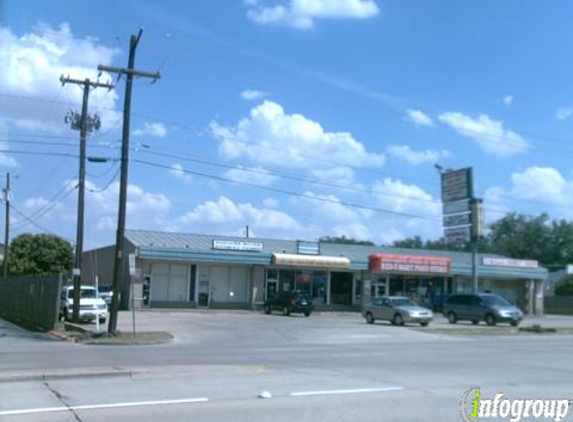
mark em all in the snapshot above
pixel 397 310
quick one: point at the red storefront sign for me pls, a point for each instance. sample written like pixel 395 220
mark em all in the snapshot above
pixel 408 264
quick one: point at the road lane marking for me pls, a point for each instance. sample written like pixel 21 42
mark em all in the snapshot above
pixel 354 391
pixel 102 406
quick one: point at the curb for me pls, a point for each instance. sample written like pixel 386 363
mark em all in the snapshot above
pixel 57 335
pixel 45 376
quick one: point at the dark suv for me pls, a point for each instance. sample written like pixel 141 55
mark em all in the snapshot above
pixel 290 302
pixel 487 307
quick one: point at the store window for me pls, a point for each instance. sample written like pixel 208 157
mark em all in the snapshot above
pixel 341 288
pixel 396 286
pixel 272 283
pixel 319 286
pixel 287 280
pixel 304 281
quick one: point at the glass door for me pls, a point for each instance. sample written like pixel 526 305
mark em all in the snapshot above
pixel 204 297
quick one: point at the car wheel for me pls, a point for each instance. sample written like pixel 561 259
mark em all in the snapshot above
pixel 286 311
pixel 474 322
pixel 369 318
pixel 307 314
pixel 267 309
pixel 514 323
pixel 398 320
pixel 490 320
pixel 452 318
pixel 424 324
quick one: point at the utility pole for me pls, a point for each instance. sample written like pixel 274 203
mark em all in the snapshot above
pixel 130 72
pixel 7 198
pixel 83 123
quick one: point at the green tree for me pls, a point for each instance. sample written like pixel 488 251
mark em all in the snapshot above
pixel 39 254
pixel 409 243
pixel 345 240
pixel 520 236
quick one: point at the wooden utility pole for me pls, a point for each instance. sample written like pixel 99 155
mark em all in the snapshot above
pixel 130 72
pixel 7 198
pixel 83 123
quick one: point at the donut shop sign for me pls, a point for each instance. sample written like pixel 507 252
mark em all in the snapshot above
pixel 409 264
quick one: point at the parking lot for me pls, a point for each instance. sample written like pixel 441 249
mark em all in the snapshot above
pixel 330 361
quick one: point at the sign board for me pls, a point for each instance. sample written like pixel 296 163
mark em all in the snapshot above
pixel 456 185
pixel 456 207
pixel 408 264
pixel 457 219
pixel 131 264
pixel 458 234
pixel 238 245
pixel 308 248
pixel 508 262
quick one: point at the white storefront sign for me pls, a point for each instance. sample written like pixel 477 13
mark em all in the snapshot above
pixel 508 262
pixel 237 245
pixel 458 234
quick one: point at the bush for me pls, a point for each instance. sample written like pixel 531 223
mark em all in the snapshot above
pixel 564 289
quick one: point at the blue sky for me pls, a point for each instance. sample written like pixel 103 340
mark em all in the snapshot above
pixel 330 113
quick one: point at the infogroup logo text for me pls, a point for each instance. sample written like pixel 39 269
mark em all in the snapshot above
pixel 475 407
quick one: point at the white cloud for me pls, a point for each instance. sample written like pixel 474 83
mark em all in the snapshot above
pixel 564 113
pixel 406 153
pixel 419 118
pixel 256 175
pixel 178 172
pixel 270 202
pixel 31 66
pixel 251 95
pixel 338 175
pixel 151 129
pixel 224 212
pixel 396 196
pixel 271 137
pixel 144 209
pixel 489 134
pixel 301 14
pixel 508 100
pixel 328 208
pixel 5 159
pixel 545 185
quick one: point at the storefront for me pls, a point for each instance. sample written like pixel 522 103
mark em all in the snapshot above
pixel 180 270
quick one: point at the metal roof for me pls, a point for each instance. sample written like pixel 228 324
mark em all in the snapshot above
pixel 199 247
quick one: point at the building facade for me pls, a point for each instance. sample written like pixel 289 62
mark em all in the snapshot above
pixel 179 270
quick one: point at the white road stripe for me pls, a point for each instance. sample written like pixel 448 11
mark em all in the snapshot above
pixel 102 406
pixel 355 391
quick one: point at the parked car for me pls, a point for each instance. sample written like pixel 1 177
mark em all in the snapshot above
pixel 396 309
pixel 290 302
pixel 91 307
pixel 476 307
pixel 106 293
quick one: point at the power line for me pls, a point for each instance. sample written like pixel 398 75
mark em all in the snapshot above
pixel 287 192
pixel 32 222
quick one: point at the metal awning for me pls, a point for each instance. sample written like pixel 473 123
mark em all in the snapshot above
pixel 311 261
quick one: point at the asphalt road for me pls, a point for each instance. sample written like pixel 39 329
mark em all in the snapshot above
pixel 327 367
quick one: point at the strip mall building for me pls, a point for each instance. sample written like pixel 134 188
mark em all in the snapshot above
pixel 188 270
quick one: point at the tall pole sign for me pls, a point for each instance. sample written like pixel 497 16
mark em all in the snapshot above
pixel 462 213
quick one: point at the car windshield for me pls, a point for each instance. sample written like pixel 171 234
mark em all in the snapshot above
pixel 301 295
pixel 402 302
pixel 494 300
pixel 85 293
